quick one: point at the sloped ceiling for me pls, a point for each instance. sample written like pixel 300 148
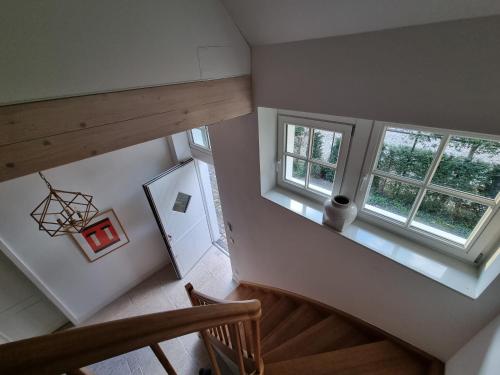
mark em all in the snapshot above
pixel 277 21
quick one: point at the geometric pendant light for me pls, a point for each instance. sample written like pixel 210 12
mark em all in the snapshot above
pixel 63 212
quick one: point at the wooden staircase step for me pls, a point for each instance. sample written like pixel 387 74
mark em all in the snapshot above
pixel 242 293
pixel 298 321
pixel 279 311
pixel 331 333
pixel 378 358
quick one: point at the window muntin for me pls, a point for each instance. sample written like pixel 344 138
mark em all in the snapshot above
pixel 312 155
pixel 297 139
pixel 442 185
pixel 448 216
pixel 391 198
pixel 321 178
pixel 199 137
pixel 471 165
pixel 296 170
pixel 408 153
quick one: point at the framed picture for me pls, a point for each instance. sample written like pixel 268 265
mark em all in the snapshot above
pixel 103 235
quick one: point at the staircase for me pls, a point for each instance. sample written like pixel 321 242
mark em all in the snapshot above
pixel 260 330
pixel 301 336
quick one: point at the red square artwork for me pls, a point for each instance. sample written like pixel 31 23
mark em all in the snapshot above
pixel 103 235
pixel 100 235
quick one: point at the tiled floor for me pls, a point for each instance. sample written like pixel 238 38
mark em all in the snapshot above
pixel 162 292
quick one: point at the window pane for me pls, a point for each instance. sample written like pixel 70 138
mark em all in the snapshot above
pixel 326 146
pixel 470 165
pixel 321 179
pixel 449 217
pixel 200 137
pixel 407 152
pixel 295 170
pixel 297 139
pixel 391 198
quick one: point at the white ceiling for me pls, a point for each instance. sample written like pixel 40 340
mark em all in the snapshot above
pixel 277 21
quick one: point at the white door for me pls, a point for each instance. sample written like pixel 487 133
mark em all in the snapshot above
pixel 176 199
pixel 24 311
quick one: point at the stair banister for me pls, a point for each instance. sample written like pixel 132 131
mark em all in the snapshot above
pixel 68 351
pixel 239 341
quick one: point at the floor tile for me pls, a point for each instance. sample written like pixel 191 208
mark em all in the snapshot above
pixel 162 292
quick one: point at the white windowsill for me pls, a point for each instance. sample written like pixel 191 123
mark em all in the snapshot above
pixel 448 271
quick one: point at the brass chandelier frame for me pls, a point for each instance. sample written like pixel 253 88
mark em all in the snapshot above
pixel 63 212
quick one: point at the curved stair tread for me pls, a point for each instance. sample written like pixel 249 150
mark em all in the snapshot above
pixel 331 333
pixel 298 321
pixel 267 299
pixel 279 311
pixel 378 358
pixel 336 343
pixel 241 293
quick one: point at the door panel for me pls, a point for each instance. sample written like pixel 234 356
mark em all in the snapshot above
pixel 188 251
pixel 186 234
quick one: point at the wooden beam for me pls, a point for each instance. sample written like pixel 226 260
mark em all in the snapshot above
pixel 40 135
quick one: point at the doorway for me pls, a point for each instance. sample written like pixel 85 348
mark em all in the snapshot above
pixel 177 200
pixel 208 179
pixel 200 148
pixel 186 203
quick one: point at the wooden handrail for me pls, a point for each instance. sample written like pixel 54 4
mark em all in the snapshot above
pixel 75 348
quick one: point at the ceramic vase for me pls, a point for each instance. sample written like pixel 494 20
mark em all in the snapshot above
pixel 339 212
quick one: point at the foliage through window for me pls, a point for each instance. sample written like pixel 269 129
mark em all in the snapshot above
pixel 442 184
pixel 313 155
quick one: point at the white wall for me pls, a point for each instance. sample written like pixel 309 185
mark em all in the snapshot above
pixel 481 355
pixel 440 75
pixel 57 48
pixel 24 310
pixel 277 247
pixel 115 180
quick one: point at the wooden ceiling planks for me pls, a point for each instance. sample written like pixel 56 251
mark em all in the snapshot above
pixel 41 135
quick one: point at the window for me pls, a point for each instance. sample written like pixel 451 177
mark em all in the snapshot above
pixel 435 184
pixel 312 155
pixel 198 137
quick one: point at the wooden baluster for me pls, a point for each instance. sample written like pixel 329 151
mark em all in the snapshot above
pixel 232 334
pixel 241 331
pixel 239 350
pixel 163 359
pixel 219 334
pixel 211 352
pixel 225 334
pixel 247 327
pixel 256 346
pixel 189 289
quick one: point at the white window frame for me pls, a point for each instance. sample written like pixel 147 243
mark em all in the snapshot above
pixel 200 152
pixel 483 237
pixel 194 145
pixel 337 127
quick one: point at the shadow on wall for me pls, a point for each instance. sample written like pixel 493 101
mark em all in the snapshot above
pixel 481 355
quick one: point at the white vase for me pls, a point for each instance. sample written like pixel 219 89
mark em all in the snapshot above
pixel 339 212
